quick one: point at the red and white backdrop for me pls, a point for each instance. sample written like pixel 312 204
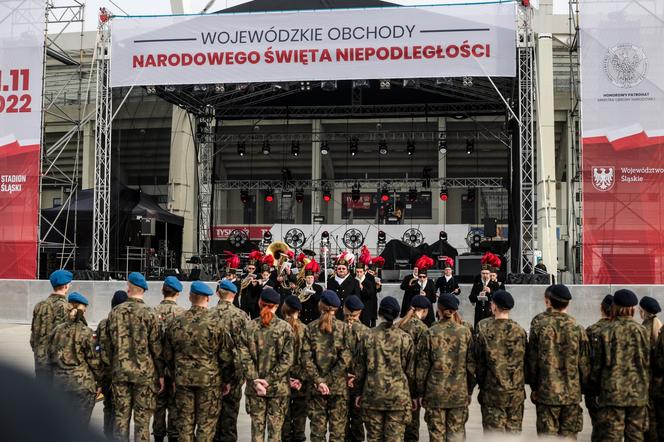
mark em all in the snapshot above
pixel 21 68
pixel 622 80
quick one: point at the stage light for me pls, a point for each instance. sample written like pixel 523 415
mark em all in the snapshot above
pixel 442 235
pixel 324 148
pixel 327 196
pixel 266 147
pixel 325 236
pixel 444 81
pixel 384 195
pixel 151 90
pixel 355 192
pixel 443 193
pixel 442 146
pixel 219 88
pixel 412 194
pixel 329 85
pixel 382 147
pixel 200 88
pixel 410 147
pixel 305 85
pixel 411 82
pixel 244 196
pixel 385 84
pixel 241 148
pixel 295 148
pixel 299 196
pixel 267 236
pixel 382 237
pixel 169 88
pixel 269 196
pixel 354 146
pixel 470 146
pixel 357 84
pixel 467 81
pixel 286 194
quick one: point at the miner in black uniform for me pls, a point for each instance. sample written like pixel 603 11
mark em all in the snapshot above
pixel 309 295
pixel 448 283
pixel 481 293
pixel 368 296
pixel 342 283
pixel 419 284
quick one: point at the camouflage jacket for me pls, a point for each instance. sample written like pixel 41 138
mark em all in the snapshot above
pixel 297 370
pixel 357 333
pixel 102 341
pixel 74 360
pixel 134 348
pixel 415 329
pixel 621 364
pixel 558 360
pixel 657 367
pixel 46 315
pixel 386 359
pixel 197 350
pixel 167 310
pixel 267 353
pixel 233 321
pixel 445 365
pixel 328 357
pixel 594 333
pixel 501 359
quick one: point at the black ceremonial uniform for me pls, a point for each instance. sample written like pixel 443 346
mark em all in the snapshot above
pixel 349 286
pixel 369 298
pixel 410 291
pixel 447 286
pixel 482 308
pixel 310 310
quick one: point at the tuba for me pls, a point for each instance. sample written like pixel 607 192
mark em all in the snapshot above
pixel 279 251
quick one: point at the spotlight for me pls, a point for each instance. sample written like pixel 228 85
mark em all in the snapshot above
pixel 241 148
pixel 266 147
pixel 267 236
pixel 442 235
pixel 467 81
pixel 244 196
pixel 384 195
pixel 411 82
pixel 299 196
pixel 410 147
pixel 329 86
pixel 269 196
pixel 286 194
pixel 324 148
pixel 412 194
pixel 443 193
pixel 151 90
pixel 295 148
pixel 355 192
pixel 305 85
pixel 169 88
pixel 357 84
pixel 444 81
pixel 385 84
pixel 382 237
pixel 382 147
pixel 470 146
pixel 327 196
pixel 354 146
pixel 325 236
pixel 218 88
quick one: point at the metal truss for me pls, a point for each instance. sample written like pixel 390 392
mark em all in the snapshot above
pixel 575 258
pixel 526 81
pixel 319 185
pixel 101 224
pixel 205 128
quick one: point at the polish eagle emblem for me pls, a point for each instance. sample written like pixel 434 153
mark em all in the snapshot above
pixel 603 178
pixel 626 65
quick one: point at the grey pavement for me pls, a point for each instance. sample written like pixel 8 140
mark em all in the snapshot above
pixel 15 351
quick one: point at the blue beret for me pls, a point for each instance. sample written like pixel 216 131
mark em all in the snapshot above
pixel 353 303
pixel 330 298
pixel 118 298
pixel 559 292
pixel 201 288
pixel 77 297
pixel 625 298
pixel 390 306
pixel 607 301
pixel 448 301
pixel 60 277
pixel 270 296
pixel 294 302
pixel 503 300
pixel 420 301
pixel 138 280
pixel 174 283
pixel 650 305
pixel 225 284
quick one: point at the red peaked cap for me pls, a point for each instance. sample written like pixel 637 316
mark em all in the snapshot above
pixel 378 261
pixel 233 261
pixel 449 261
pixel 424 263
pixel 268 259
pixel 491 259
pixel 256 255
pixel 313 266
pixel 365 256
pixel 300 257
pixel 290 254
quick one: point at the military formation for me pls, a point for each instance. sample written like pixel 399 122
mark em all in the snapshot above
pixel 185 370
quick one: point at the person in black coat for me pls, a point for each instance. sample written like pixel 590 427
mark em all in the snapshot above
pixel 409 291
pixel 448 283
pixel 368 296
pixel 342 283
pixel 421 285
pixel 481 293
pixel 250 295
pixel 309 297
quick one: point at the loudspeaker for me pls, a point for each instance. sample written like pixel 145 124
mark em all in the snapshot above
pixel 490 228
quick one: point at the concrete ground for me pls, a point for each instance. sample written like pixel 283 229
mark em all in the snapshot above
pixel 15 350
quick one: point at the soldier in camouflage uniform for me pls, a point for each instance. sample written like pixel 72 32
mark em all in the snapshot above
pixel 296 418
pixel 74 360
pixel 594 332
pixel 266 352
pixel 353 307
pixel 445 373
pixel 166 311
pixel 620 373
pixel 413 324
pixel 648 310
pixel 198 352
pixel 384 374
pixel 233 321
pixel 45 316
pixel 657 380
pixel 327 354
pixel 119 297
pixel 501 357
pixel 135 353
pixel 558 367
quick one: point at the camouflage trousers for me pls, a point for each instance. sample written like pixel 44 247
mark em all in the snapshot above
pixel 197 409
pixel 139 398
pixel 384 425
pixel 446 424
pixel 354 424
pixel 593 411
pixel 616 423
pixel 84 402
pixel 109 411
pixel 266 412
pixel 502 419
pixel 413 428
pixel 230 408
pixel 324 411
pixel 162 425
pixel 559 420
pixel 296 419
